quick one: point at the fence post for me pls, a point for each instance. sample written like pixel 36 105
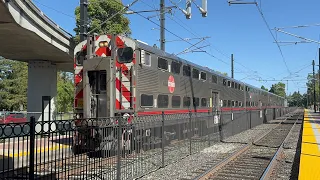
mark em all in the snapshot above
pixel 190 151
pixel 220 127
pixel 162 138
pixel 209 135
pixel 250 120
pixel 119 149
pixel 32 146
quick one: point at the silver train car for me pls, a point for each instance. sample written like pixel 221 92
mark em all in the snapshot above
pixel 121 77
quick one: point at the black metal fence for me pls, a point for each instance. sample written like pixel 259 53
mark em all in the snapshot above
pixel 111 148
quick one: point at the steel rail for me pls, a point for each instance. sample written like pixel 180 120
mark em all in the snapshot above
pixel 278 155
pixel 214 169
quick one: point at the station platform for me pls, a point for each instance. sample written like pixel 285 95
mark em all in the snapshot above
pixel 309 167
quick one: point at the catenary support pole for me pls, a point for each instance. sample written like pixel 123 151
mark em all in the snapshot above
pixel 314 88
pixel 232 66
pixel 162 25
pixel 319 79
pixel 83 19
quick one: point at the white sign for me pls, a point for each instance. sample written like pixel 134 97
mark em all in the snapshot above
pixel 215 119
pixel 260 114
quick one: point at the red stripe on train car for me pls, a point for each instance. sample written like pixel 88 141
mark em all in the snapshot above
pixel 80 94
pixel 180 111
pixel 125 92
pixel 118 104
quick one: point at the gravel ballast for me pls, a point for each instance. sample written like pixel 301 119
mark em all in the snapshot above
pixel 288 168
pixel 187 167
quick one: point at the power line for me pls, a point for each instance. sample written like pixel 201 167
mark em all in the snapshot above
pixel 74 17
pixel 179 37
pixel 297 36
pixel 299 26
pixel 197 36
pixel 265 21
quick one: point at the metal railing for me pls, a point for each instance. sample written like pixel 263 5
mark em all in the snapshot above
pixel 111 148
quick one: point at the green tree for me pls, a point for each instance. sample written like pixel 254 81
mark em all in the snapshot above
pixel 223 73
pixel 296 99
pixel 310 86
pixel 264 88
pixel 13 84
pixel 65 92
pixel 278 89
pixel 98 12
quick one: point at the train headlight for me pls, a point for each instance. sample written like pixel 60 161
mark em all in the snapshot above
pixel 103 44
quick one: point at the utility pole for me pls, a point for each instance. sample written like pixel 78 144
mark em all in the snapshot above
pixel 232 69
pixel 83 19
pixel 314 88
pixel 319 78
pixel 162 25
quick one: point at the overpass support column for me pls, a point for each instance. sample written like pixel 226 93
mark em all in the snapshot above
pixel 42 89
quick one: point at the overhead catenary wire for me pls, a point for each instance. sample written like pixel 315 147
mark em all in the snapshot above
pixel 298 26
pixel 197 36
pixel 184 26
pixel 249 74
pixel 265 21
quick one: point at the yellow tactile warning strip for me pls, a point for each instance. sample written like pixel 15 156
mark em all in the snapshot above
pixel 38 150
pixel 310 147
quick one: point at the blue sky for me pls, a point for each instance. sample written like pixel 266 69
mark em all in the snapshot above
pixel 237 29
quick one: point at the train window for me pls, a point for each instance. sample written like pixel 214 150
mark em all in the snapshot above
pixel 195 73
pixel 175 101
pixel 146 100
pixel 236 85
pixel 224 81
pixel 103 81
pixel 232 103
pixel 196 101
pixel 147 59
pixel 229 103
pixel 186 101
pixel 162 63
pixel 229 83
pixel 224 103
pixel 175 67
pixel 236 104
pixel 239 86
pixel 203 75
pixel 204 102
pixel 240 104
pixel 187 70
pixel 163 101
pixel 232 84
pixel 80 56
pixel 214 79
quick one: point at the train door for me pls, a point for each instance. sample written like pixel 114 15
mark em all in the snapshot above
pixel 215 102
pixel 215 105
pixel 98 94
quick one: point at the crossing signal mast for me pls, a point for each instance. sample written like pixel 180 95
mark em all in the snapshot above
pixel 186 12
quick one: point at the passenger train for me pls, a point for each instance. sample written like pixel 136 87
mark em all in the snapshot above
pixel 116 76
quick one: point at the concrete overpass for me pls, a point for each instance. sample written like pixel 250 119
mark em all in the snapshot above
pixel 28 35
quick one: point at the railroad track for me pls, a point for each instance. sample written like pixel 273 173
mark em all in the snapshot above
pixel 252 161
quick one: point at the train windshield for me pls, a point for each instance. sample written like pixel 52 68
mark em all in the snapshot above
pixel 125 55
